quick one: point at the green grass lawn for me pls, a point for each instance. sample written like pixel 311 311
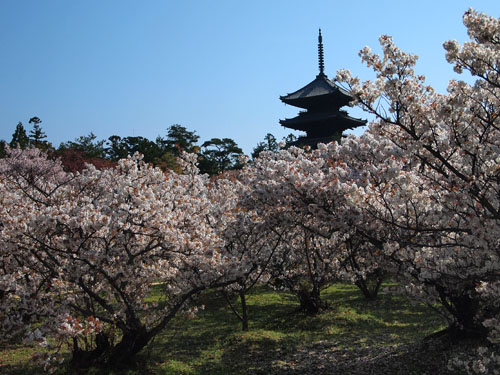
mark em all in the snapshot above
pixel 213 343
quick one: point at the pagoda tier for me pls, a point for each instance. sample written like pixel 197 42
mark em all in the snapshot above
pixel 322 124
pixel 319 93
pixel 322 120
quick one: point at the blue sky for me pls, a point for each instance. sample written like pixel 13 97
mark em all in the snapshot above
pixel 120 67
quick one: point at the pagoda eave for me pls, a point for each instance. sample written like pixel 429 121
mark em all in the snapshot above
pixel 321 130
pixel 308 102
pixel 313 142
pixel 337 120
pixel 318 92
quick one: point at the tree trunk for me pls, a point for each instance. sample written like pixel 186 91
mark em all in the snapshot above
pixel 86 358
pixel 131 344
pixel 244 311
pixel 105 355
pixel 310 301
pixel 370 288
pixel 465 311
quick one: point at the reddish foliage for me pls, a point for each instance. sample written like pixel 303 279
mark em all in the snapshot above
pixel 74 160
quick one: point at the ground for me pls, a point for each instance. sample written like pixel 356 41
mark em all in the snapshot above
pixel 353 336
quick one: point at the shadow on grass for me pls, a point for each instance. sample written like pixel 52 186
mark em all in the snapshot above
pixel 19 370
pixel 213 343
pixel 249 355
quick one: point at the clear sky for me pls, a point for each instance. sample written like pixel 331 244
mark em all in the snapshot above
pixel 120 67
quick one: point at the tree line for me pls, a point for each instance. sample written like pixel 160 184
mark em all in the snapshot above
pixel 215 155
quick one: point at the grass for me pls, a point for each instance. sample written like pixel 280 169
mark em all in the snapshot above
pixel 213 343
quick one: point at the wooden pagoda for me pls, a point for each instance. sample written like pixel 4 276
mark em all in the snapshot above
pixel 322 120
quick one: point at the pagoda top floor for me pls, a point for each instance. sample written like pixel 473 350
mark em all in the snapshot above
pixel 321 93
pixel 318 94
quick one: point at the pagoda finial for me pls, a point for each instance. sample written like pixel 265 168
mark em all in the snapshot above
pixel 321 59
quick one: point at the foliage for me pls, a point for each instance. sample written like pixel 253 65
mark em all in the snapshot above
pixel 76 161
pixel 119 148
pixel 35 139
pixel 219 155
pixel 19 138
pixel 75 155
pixel 86 144
pixel 3 149
pixel 179 140
pixel 162 153
pixel 36 134
pixel 269 144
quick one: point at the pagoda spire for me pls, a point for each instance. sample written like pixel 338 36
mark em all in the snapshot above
pixel 321 59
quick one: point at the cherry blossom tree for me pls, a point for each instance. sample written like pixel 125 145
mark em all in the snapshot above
pixel 435 181
pixel 272 194
pixel 255 248
pixel 80 258
pixel 253 245
pixel 306 194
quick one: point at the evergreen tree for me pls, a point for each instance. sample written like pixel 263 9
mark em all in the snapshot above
pixel 119 148
pixel 269 144
pixel 3 152
pixel 116 149
pixel 179 139
pixel 289 140
pixel 86 144
pixel 37 134
pixel 19 138
pixel 219 155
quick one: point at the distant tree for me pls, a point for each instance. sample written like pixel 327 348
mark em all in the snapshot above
pixel 269 144
pixel 119 148
pixel 20 138
pixel 37 135
pixel 74 160
pixel 3 146
pixel 116 149
pixel 289 139
pixel 179 139
pixel 219 155
pixel 87 145
pixel 167 161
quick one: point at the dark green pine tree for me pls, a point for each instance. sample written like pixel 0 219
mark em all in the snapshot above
pixel 179 139
pixel 219 155
pixel 86 144
pixel 269 144
pixel 37 135
pixel 20 138
pixel 3 151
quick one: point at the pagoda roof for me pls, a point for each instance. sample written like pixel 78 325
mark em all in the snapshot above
pixel 317 91
pixel 338 120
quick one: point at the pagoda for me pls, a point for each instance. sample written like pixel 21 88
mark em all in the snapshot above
pixel 322 120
